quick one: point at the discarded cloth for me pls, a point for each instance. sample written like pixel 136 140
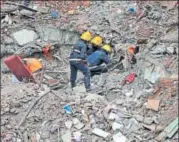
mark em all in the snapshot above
pixel 130 78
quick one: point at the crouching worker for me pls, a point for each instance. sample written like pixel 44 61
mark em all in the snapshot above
pixel 95 44
pixel 78 60
pixel 99 60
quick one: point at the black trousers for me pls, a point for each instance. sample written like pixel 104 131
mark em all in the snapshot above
pixel 97 70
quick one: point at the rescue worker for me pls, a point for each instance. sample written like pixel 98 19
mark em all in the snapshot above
pixel 96 60
pixel 96 43
pixel 78 60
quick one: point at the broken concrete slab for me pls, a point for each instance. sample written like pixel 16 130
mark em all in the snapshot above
pixel 7 40
pixel 148 120
pixel 170 49
pixel 77 136
pixel 68 124
pixel 117 126
pixel 100 133
pixel 153 127
pixel 153 73
pixel 112 116
pixel 63 36
pixel 139 118
pixel 171 36
pixel 67 137
pixel 26 12
pixel 43 10
pixel 119 137
pixel 24 36
pixel 75 121
pixel 79 125
pixel 132 125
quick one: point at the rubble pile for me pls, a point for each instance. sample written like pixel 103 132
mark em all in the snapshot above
pixel 139 110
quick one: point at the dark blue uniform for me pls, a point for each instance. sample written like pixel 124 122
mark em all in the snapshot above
pixel 92 50
pixel 79 53
pixel 96 59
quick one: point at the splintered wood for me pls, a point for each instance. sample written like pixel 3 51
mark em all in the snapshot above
pixel 166 86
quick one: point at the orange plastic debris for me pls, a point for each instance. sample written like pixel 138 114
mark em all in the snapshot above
pixel 131 50
pixel 33 64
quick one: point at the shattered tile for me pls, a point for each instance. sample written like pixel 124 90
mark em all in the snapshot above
pixel 153 104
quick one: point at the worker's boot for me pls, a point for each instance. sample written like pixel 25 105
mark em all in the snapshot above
pixel 73 84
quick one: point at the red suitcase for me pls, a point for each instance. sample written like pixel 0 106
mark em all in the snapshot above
pixel 16 66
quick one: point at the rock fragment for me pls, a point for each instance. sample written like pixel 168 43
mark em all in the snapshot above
pixel 100 133
pixel 68 124
pixel 119 137
pixel 24 36
pixel 116 126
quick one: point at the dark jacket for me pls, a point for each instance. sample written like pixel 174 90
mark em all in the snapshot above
pixel 98 57
pixel 92 50
pixel 79 50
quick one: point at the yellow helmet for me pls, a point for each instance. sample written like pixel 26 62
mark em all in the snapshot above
pixel 107 48
pixel 97 40
pixel 86 36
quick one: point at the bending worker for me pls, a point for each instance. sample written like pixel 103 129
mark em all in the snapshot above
pixel 96 43
pixel 78 60
pixel 96 60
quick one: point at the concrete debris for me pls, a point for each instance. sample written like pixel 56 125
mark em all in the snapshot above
pixel 148 120
pixel 119 137
pixel 100 133
pixel 169 131
pixel 132 125
pixel 153 127
pixel 153 73
pixel 67 137
pixel 136 98
pixel 139 118
pixel 116 126
pixel 75 121
pixel 112 116
pixel 77 136
pixel 171 37
pixel 24 36
pixel 79 125
pixel 68 124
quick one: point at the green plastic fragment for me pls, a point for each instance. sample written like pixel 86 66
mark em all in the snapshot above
pixel 172 128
